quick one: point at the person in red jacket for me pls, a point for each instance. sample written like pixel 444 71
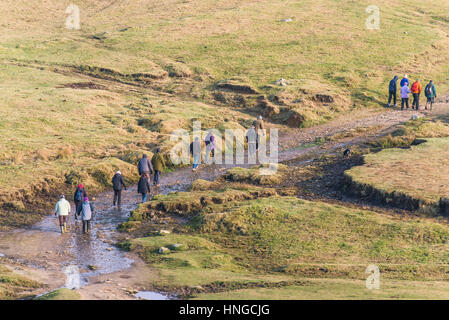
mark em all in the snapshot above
pixel 416 91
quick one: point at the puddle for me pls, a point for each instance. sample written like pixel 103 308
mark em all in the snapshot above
pixel 150 295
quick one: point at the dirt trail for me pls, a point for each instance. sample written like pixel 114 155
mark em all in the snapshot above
pixel 42 253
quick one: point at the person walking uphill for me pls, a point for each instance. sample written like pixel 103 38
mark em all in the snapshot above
pixel 86 210
pixel 145 166
pixel 158 165
pixel 431 94
pixel 392 90
pixel 405 90
pixel 62 211
pixel 416 91
pixel 258 126
pixel 210 146
pixel 80 194
pixel 118 183
pixel 143 187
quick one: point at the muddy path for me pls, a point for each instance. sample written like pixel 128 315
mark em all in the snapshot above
pixel 41 253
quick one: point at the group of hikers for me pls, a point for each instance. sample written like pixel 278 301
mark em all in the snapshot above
pixel 84 208
pixel 253 136
pixel 415 89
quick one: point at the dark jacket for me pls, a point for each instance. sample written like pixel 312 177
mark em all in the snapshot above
pixel 118 182
pixel 430 91
pixel 144 165
pixel 158 162
pixel 83 194
pixel 393 85
pixel 143 186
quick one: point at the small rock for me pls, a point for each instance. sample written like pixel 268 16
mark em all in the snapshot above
pixel 2 254
pixel 287 20
pixel 92 267
pixel 163 250
pixel 109 249
pixel 415 117
pixel 164 232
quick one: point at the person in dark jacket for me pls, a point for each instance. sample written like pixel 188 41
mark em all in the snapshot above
pixel 143 187
pixel 79 195
pixel 392 90
pixel 158 165
pixel 86 210
pixel 145 166
pixel 431 94
pixel 118 183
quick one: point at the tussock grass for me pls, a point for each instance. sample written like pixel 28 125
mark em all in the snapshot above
pixel 13 285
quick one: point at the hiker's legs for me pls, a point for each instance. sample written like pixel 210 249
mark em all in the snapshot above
pixel 206 160
pixel 115 198
pixel 414 100
pixel 391 95
pixel 252 153
pixel 77 205
pixel 119 198
pixel 402 103
pixel 417 101
pixel 62 223
pixel 144 197
pixel 84 226
pixel 195 161
pixel 406 102
pixel 157 175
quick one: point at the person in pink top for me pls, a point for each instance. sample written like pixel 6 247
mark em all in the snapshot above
pixel 405 91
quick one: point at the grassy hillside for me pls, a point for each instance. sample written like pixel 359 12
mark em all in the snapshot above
pixel 79 104
pixel 277 244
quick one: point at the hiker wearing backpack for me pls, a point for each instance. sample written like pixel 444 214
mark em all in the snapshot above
pixel 210 146
pixel 145 166
pixel 143 187
pixel 158 165
pixel 431 94
pixel 86 210
pixel 405 90
pixel 118 183
pixel 195 150
pixel 62 211
pixel 392 89
pixel 80 194
pixel 416 91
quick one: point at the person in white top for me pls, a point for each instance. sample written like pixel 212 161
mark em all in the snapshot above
pixel 62 210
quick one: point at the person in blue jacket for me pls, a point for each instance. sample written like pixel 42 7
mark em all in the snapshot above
pixel 405 81
pixel 392 89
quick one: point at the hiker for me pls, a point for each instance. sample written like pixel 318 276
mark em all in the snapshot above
pixel 158 165
pixel 210 146
pixel 86 210
pixel 404 81
pixel 405 90
pixel 80 194
pixel 392 89
pixel 251 139
pixel 431 94
pixel 62 211
pixel 145 166
pixel 118 183
pixel 258 125
pixel 143 187
pixel 195 150
pixel 416 91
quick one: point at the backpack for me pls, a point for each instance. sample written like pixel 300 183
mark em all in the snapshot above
pixel 414 86
pixel 78 195
pixel 428 90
